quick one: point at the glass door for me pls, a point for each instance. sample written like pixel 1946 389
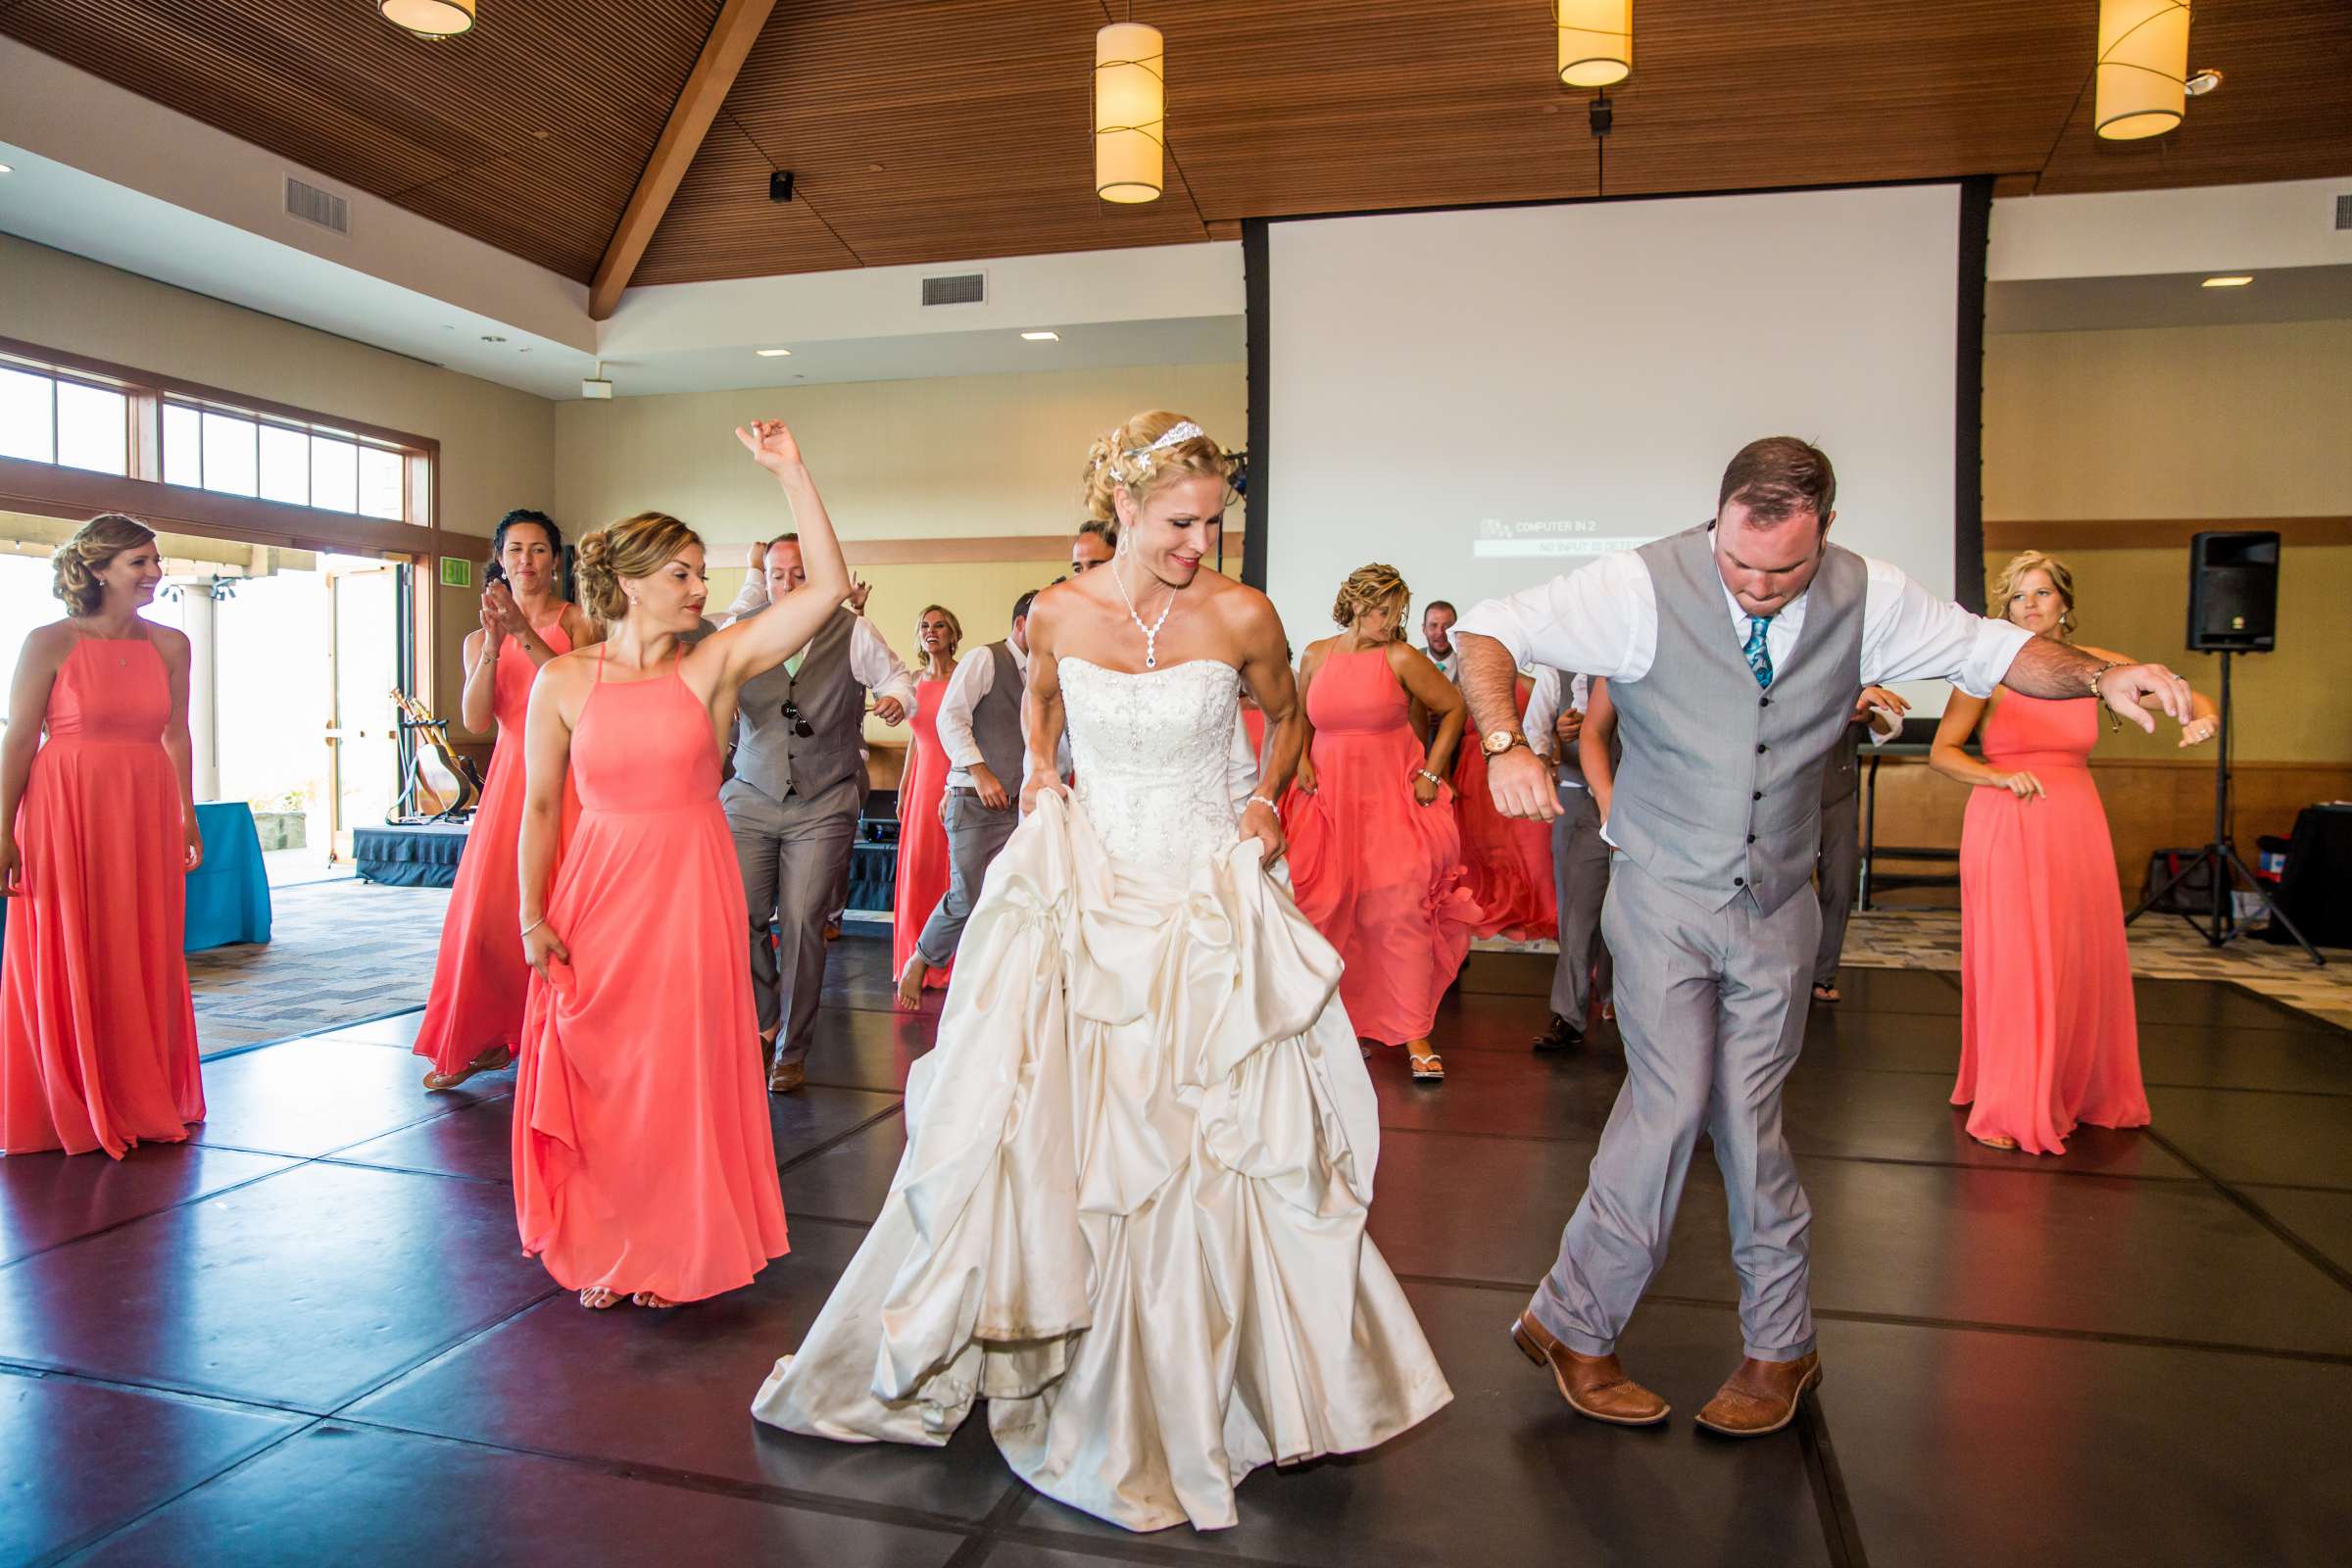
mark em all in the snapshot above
pixel 364 648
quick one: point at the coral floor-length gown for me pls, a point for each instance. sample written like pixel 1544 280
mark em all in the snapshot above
pixel 1507 858
pixel 480 979
pixel 922 837
pixel 1379 874
pixel 97 1030
pixel 2049 1035
pixel 643 1157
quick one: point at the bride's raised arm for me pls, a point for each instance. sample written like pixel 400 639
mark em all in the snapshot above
pixel 1041 715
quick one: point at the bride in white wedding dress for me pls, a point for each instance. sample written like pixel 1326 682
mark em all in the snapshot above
pixel 1131 1212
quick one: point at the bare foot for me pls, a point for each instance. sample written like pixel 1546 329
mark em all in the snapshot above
pixel 595 1298
pixel 1609 1007
pixel 910 984
pixel 649 1299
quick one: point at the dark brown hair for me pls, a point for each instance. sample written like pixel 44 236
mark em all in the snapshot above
pixel 1777 477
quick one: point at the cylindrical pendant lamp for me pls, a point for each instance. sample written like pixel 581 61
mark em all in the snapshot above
pixel 1596 41
pixel 1130 112
pixel 2142 67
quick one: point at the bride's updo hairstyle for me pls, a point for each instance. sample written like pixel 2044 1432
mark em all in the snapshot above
pixel 1368 588
pixel 632 548
pixel 1132 456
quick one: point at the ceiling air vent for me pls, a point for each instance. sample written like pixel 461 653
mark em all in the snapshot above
pixel 2343 211
pixel 315 206
pixel 960 288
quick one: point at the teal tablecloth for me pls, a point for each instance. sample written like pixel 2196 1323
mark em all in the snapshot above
pixel 228 896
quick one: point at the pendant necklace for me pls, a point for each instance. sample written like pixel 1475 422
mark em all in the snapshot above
pixel 1151 632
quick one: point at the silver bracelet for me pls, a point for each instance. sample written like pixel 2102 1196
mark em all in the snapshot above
pixel 1432 778
pixel 534 925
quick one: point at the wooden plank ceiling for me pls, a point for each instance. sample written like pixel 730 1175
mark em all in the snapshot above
pixel 931 130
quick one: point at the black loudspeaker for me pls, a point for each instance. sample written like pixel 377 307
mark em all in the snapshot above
pixel 2233 592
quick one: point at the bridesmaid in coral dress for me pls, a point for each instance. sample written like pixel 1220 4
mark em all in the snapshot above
pixel 1507 860
pixel 2049 1037
pixel 644 1165
pixel 922 837
pixel 1375 853
pixel 473 1015
pixel 97 835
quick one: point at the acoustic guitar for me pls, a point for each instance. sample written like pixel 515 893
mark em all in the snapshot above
pixel 440 783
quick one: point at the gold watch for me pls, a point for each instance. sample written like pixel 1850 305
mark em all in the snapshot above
pixel 1496 742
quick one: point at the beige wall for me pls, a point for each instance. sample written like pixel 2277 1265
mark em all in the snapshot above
pixel 496 444
pixel 952 458
pixel 2237 423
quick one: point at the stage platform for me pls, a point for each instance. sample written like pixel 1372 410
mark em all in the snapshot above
pixel 309 1336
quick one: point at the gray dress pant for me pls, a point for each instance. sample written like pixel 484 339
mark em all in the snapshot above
pixel 1711 1005
pixel 1580 867
pixel 792 854
pixel 1840 869
pixel 974 836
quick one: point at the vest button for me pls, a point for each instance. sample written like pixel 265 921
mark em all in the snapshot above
pixel 1761 747
pixel 1751 837
pixel 1739 881
pixel 1763 702
pixel 1759 795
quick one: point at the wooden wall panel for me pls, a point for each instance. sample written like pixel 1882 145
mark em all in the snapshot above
pixel 2150 806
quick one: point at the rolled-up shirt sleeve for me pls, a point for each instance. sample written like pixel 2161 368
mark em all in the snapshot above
pixel 876 666
pixel 752 596
pixel 975 676
pixel 1910 634
pixel 1600 618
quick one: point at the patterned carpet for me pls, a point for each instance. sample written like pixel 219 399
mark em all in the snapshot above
pixel 347 951
pixel 339 952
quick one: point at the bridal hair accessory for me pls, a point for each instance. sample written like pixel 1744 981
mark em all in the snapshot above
pixel 1182 431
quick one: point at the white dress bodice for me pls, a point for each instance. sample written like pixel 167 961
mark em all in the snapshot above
pixel 1151 751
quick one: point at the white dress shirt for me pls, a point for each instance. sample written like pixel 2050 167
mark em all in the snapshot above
pixel 1452 663
pixel 975 677
pixel 1543 709
pixel 872 663
pixel 1602 619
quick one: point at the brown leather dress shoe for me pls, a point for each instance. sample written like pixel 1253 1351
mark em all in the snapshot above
pixel 1593 1386
pixel 1761 1396
pixel 785 1077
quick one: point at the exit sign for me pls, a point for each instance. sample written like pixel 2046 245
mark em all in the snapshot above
pixel 457 572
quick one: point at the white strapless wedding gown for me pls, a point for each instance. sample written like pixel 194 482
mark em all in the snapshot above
pixel 1131 1210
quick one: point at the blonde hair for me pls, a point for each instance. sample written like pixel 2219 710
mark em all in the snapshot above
pixel 1125 459
pixel 75 564
pixel 922 654
pixel 632 548
pixel 1369 588
pixel 2014 573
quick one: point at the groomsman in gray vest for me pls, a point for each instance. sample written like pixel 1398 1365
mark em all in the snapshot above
pixel 980 731
pixel 1733 653
pixel 1580 858
pixel 791 804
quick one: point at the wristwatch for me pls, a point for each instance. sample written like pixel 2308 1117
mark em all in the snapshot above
pixel 1496 742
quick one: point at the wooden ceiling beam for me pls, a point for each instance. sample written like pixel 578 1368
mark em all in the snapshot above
pixel 707 86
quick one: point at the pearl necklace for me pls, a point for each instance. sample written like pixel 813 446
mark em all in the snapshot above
pixel 1151 632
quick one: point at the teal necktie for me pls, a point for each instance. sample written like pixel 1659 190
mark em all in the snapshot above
pixel 1757 653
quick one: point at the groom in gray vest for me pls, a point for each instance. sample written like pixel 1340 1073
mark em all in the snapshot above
pixel 1733 653
pixel 791 804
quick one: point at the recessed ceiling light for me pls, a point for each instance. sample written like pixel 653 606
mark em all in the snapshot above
pixel 1040 337
pixel 492 337
pixel 2233 280
pixel 7 169
pixel 772 354
pixel 2201 82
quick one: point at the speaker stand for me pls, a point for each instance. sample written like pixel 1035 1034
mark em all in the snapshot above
pixel 2224 869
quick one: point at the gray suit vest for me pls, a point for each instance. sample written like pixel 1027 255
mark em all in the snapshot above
pixel 997 719
pixel 768 755
pixel 1720 790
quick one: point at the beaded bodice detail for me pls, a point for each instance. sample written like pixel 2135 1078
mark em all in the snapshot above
pixel 1151 750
